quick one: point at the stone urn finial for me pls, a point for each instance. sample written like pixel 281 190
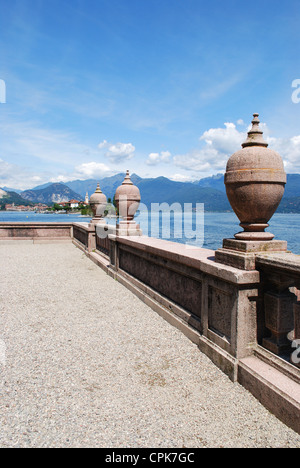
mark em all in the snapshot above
pixel 98 203
pixel 128 199
pixel 255 135
pixel 255 181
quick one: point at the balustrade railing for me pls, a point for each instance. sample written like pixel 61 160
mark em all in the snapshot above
pixel 81 235
pixel 280 280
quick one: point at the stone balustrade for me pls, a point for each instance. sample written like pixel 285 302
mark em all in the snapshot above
pixel 279 314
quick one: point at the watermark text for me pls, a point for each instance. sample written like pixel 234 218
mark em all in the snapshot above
pixel 184 223
pixel 295 357
pixel 296 93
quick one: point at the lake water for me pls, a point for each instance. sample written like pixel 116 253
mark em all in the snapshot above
pixel 204 230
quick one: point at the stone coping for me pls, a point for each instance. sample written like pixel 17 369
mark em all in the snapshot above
pixel 287 262
pixel 91 227
pixel 35 230
pixel 32 224
pixel 198 258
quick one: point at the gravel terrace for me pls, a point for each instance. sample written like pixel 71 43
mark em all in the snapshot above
pixel 84 363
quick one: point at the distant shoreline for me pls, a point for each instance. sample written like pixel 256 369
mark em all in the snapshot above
pixel 143 212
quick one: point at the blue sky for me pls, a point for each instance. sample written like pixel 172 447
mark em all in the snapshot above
pixel 159 87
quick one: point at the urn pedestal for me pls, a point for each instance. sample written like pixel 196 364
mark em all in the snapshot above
pixel 255 181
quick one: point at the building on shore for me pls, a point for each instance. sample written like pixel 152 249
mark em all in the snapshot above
pixel 73 204
pixel 40 207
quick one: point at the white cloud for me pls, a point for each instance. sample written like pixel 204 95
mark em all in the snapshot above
pixel 199 161
pixel 182 178
pixel 20 178
pixel 289 150
pixel 207 159
pixel 61 179
pixel 225 140
pixel 153 159
pixel 219 144
pixel 156 158
pixel 117 152
pixel 104 144
pixel 17 177
pixel 92 170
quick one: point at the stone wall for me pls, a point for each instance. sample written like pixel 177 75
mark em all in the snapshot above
pixel 34 231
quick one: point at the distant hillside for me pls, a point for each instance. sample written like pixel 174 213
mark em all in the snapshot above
pixel 41 187
pixel 158 190
pixel 215 182
pixel 291 199
pixel 7 189
pixel 8 198
pixel 3 193
pixel 292 188
pixel 54 193
pixel 164 190
pixel 210 191
pixel 289 205
pixel 108 185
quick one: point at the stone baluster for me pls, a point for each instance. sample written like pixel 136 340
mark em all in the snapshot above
pixel 278 278
pixel 279 320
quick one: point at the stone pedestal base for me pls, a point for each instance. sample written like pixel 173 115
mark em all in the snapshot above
pixel 95 221
pixel 241 254
pixel 129 228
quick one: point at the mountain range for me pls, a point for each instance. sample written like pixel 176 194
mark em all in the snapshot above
pixel 210 191
pixel 10 197
pixel 53 193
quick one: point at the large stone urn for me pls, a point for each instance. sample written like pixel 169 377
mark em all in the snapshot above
pixel 255 181
pixel 98 203
pixel 127 199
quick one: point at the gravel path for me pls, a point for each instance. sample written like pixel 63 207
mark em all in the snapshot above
pixel 87 364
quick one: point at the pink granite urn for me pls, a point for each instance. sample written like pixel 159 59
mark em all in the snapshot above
pixel 128 199
pixel 255 181
pixel 98 203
